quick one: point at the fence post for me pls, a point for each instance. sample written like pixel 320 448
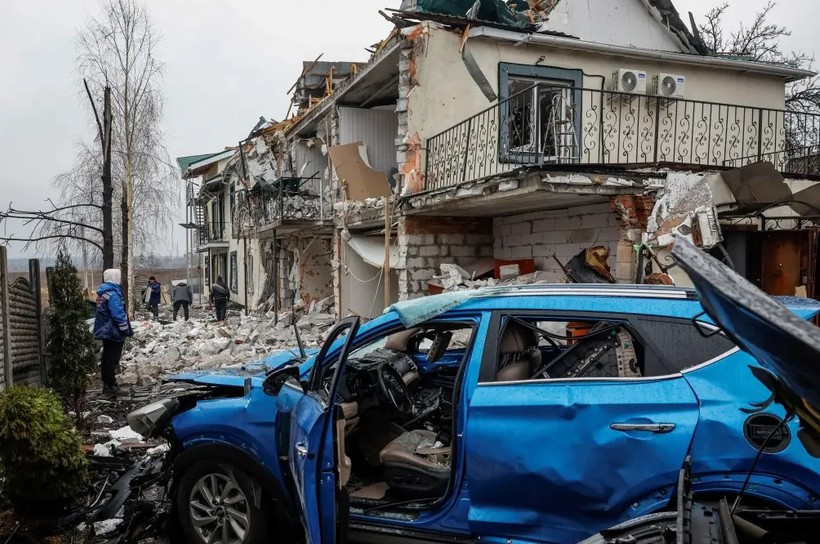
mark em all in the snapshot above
pixel 34 279
pixel 4 315
pixel 759 135
pixel 657 127
pixel 466 150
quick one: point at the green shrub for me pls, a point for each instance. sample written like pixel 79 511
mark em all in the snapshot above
pixel 41 458
pixel 70 346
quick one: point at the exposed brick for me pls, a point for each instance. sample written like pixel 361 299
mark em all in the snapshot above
pixel 504 253
pixel 416 263
pixel 513 240
pixel 474 239
pixel 425 274
pixel 522 228
pixel 523 252
pixel 429 251
pixel 532 216
pixel 449 239
pixel 543 250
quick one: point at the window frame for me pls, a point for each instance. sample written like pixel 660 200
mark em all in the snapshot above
pixel 507 71
pixel 489 360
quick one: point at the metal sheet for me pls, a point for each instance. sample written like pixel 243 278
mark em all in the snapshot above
pixel 371 250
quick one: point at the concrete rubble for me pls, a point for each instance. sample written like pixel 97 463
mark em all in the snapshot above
pixel 455 278
pixel 166 347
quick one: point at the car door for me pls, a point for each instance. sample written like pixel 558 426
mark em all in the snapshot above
pixel 558 460
pixel 309 408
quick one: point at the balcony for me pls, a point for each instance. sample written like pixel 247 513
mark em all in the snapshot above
pixel 550 124
pixel 287 202
pixel 213 234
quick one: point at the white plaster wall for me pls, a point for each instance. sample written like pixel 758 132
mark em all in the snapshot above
pixel 447 95
pixel 615 22
pixel 257 275
pixel 562 233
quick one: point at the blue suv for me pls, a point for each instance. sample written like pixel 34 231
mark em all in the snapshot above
pixel 527 414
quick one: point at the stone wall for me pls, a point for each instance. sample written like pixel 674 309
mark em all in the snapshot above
pixel 561 233
pixel 427 242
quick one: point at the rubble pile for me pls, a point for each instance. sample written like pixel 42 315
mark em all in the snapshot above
pixel 352 207
pixel 455 278
pixel 165 347
pixel 306 206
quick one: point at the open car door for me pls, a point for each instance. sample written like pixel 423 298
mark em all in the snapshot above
pixel 310 407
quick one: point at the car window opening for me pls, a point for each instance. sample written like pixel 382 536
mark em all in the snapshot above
pixel 541 350
pixel 395 417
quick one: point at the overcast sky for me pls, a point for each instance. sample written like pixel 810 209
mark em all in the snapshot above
pixel 226 63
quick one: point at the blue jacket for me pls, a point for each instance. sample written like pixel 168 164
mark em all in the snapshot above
pixel 112 321
pixel 156 293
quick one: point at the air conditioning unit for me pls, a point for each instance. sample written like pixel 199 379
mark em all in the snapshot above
pixel 669 86
pixel 629 81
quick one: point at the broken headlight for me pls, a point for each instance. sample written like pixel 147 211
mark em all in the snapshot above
pixel 153 417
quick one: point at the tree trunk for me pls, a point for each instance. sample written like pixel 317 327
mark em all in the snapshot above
pixel 108 186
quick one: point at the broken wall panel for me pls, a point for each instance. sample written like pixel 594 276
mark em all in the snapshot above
pixel 362 286
pixel 354 172
pixel 377 128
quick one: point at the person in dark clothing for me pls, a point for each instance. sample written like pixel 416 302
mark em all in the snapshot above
pixel 111 326
pixel 156 295
pixel 183 296
pixel 220 295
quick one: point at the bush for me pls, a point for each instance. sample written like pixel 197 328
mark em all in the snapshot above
pixel 41 458
pixel 70 346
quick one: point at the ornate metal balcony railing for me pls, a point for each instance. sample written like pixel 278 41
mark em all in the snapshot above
pixel 286 200
pixel 212 231
pixel 552 124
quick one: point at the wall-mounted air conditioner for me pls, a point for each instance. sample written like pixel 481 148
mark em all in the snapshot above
pixel 669 86
pixel 629 81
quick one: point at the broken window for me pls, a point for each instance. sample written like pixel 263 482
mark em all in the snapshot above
pixel 539 113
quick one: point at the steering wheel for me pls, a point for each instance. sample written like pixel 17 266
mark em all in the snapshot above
pixel 394 389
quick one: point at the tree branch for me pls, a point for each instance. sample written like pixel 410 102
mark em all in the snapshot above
pixel 42 238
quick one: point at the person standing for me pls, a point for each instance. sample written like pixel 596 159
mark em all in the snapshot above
pixel 183 296
pixel 220 295
pixel 156 295
pixel 111 326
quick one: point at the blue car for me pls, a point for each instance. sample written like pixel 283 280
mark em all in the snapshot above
pixel 528 414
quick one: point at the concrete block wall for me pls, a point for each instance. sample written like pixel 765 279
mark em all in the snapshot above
pixel 427 242
pixel 563 233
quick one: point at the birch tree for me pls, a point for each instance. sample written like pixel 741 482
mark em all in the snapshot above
pixel 118 48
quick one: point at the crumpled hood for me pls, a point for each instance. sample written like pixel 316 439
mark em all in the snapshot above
pixel 787 346
pixel 235 376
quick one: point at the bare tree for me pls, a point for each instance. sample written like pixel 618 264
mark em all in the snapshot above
pixel 761 41
pixel 117 48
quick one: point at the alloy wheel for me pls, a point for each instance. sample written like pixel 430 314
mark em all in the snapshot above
pixel 219 510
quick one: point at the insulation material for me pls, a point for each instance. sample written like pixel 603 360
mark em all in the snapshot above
pixel 686 208
pixel 371 250
pixel 358 178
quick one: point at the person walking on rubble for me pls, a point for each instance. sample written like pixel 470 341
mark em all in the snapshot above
pixel 220 295
pixel 183 297
pixel 111 326
pixel 155 289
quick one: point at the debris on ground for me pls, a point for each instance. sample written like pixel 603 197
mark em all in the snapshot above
pixel 163 347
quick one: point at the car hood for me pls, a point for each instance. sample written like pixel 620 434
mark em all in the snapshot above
pixel 784 344
pixel 235 376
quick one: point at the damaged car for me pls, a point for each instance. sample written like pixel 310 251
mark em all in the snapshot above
pixel 533 414
pixel 788 350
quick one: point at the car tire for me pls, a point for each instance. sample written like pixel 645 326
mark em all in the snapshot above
pixel 216 496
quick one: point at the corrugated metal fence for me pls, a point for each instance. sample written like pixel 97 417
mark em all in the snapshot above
pixel 21 327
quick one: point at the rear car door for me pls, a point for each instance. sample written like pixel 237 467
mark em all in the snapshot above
pixel 311 456
pixel 556 460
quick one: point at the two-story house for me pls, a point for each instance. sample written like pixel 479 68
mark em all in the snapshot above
pixel 527 138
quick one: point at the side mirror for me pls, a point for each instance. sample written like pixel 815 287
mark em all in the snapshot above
pixel 276 379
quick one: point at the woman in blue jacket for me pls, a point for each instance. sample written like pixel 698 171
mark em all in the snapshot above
pixel 111 326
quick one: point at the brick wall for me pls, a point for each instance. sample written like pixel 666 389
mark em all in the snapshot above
pixel 563 233
pixel 427 242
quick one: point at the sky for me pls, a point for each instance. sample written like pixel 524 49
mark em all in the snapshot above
pixel 226 64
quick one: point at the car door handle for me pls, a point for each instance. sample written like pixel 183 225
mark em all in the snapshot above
pixel 658 428
pixel 301 449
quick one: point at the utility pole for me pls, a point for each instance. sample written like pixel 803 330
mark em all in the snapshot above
pixel 104 129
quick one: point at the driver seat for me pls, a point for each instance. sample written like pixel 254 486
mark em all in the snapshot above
pixel 415 467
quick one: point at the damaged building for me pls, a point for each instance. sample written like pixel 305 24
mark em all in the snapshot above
pixel 517 142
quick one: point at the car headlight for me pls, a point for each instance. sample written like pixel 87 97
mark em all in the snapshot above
pixel 153 417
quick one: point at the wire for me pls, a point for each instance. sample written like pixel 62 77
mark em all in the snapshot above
pixel 757 458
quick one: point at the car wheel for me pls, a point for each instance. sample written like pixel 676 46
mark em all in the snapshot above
pixel 217 502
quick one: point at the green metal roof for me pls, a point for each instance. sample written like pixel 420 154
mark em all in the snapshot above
pixel 186 162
